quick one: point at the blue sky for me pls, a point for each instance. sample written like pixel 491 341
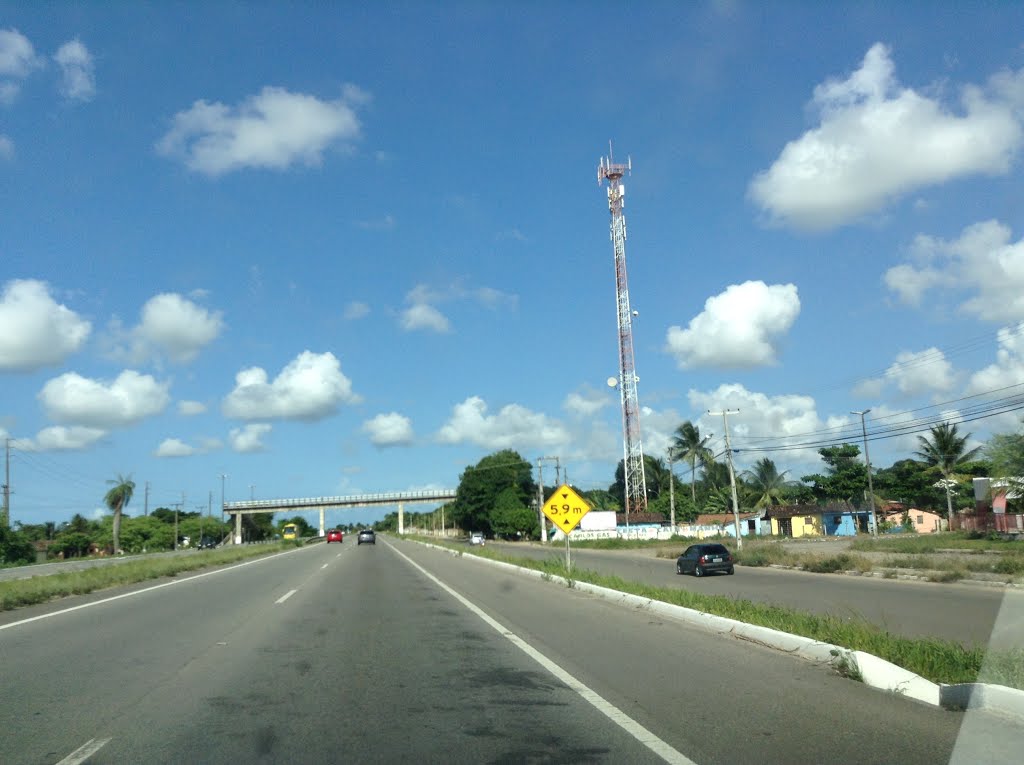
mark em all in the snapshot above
pixel 341 248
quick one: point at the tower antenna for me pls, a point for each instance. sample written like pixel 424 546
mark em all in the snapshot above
pixel 633 453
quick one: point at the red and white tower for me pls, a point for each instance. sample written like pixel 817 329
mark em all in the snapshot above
pixel 633 453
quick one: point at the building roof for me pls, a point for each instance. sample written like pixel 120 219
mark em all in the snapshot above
pixel 720 519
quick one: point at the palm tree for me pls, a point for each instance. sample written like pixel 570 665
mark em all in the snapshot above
pixel 117 499
pixel 768 483
pixel 688 446
pixel 946 450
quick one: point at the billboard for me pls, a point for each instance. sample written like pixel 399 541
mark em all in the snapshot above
pixel 598 520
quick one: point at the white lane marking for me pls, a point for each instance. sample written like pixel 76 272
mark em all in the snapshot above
pixel 85 751
pixel 661 748
pixel 285 597
pixel 324 566
pixel 147 589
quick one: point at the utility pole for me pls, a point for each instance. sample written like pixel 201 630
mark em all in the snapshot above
pixel 671 493
pixel 6 520
pixel 146 509
pixel 867 461
pixel 177 506
pixel 252 491
pixel 540 493
pixel 732 474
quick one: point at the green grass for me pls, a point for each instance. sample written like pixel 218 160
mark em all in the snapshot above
pixel 921 544
pixel 41 589
pixel 941 661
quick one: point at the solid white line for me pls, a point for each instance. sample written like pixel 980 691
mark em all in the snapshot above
pixel 85 751
pixel 285 597
pixel 661 748
pixel 324 566
pixel 147 589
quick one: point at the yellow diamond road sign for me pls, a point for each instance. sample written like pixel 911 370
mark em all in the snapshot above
pixel 565 508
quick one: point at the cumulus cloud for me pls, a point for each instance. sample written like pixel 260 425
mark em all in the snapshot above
pixel 983 261
pixel 37 331
pixel 191 408
pixel 424 316
pixel 173 447
pixel 170 325
pixel 514 426
pixel 249 438
pixel 79 400
pixel 311 387
pixel 356 310
pixel 391 429
pixel 17 60
pixel 914 374
pixel 77 71
pixel 878 140
pixel 1007 369
pixel 738 328
pixel 62 438
pixel 273 129
pixel 586 402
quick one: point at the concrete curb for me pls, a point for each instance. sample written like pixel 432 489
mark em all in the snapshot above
pixel 871 670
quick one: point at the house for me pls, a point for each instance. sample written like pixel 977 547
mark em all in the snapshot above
pixel 833 519
pixel 715 524
pixel 923 521
pixel 991 502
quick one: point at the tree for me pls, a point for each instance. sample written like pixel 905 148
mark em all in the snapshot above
pixel 845 476
pixel 15 547
pixel 946 450
pixel 117 499
pixel 689 446
pixel 768 485
pixel 480 485
pixel 1007 454
pixel 512 519
pixel 909 482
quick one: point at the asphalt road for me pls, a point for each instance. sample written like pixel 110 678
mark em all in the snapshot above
pixel 972 614
pixel 339 653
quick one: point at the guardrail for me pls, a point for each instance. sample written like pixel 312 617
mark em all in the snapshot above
pixel 351 500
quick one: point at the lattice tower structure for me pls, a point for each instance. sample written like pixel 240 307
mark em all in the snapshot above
pixel 633 453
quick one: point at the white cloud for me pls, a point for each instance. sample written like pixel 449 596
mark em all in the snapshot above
pixel 78 76
pixel 514 426
pixel 738 328
pixel 249 438
pixel 169 325
pixel 356 310
pixel 424 316
pixel 130 398
pixel 173 447
pixel 273 129
pixel 311 387
pixel 391 429
pixel 6 144
pixel 983 260
pixel 190 408
pixel 37 331
pixel 586 402
pixel 61 438
pixel 878 140
pixel 927 371
pixel 17 60
pixel 385 223
pixel 1008 368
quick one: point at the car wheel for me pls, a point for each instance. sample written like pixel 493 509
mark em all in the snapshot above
pixel 679 569
pixel 732 570
pixel 698 571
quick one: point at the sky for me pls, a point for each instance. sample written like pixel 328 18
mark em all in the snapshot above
pixel 335 248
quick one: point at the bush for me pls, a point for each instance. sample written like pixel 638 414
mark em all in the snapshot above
pixel 15 548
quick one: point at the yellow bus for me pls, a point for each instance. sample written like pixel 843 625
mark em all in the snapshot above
pixel 290 531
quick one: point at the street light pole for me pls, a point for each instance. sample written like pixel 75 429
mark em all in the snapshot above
pixel 867 461
pixel 732 474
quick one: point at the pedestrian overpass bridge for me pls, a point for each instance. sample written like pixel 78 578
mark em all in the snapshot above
pixel 400 498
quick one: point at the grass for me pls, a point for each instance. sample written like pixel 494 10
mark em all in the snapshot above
pixel 941 661
pixel 41 589
pixel 922 544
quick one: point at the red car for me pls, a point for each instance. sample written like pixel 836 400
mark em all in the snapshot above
pixel 335 535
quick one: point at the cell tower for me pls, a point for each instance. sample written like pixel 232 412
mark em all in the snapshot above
pixel 633 453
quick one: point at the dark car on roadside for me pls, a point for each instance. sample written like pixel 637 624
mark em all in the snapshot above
pixel 367 536
pixel 207 543
pixel 705 558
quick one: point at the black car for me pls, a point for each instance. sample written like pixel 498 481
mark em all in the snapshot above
pixel 366 535
pixel 207 543
pixel 704 559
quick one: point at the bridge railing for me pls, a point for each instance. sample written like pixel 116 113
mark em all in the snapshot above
pixel 427 495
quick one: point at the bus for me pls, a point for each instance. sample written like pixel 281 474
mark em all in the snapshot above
pixel 290 531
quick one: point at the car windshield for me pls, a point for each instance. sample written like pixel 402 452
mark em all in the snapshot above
pixel 265 265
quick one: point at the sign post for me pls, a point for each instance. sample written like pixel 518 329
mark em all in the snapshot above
pixel 565 509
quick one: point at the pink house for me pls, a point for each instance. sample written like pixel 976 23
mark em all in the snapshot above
pixel 924 521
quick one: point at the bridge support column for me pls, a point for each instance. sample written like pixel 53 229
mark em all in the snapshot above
pixel 401 519
pixel 238 528
pixel 322 532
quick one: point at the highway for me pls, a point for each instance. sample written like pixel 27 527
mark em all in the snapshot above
pixel 396 652
pixel 971 614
